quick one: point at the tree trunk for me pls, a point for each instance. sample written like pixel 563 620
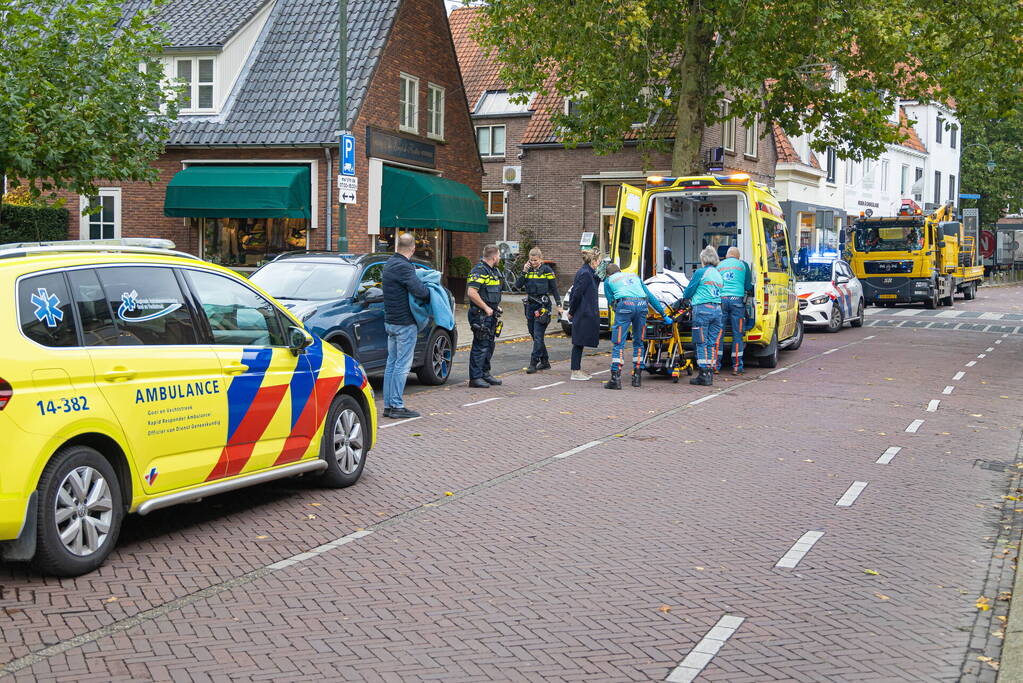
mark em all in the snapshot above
pixel 696 91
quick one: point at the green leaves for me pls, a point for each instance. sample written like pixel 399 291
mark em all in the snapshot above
pixel 834 68
pixel 81 95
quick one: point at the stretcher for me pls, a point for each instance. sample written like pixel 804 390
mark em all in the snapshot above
pixel 665 353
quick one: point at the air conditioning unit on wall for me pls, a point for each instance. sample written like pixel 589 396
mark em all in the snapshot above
pixel 512 175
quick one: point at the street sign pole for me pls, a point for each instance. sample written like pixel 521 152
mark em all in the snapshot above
pixel 342 114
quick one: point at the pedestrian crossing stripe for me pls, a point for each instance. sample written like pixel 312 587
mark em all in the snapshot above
pixel 941 325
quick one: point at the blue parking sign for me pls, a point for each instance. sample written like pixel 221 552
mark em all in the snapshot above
pixel 347 155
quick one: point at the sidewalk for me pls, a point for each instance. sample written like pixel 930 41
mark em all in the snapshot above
pixel 513 317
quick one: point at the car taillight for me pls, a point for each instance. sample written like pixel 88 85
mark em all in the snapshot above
pixel 767 293
pixel 5 393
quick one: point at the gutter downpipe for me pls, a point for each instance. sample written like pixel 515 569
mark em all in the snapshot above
pixel 330 198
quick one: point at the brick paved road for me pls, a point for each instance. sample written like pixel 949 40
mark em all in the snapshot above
pixel 611 563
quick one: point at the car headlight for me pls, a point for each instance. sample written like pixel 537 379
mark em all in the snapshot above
pixel 817 300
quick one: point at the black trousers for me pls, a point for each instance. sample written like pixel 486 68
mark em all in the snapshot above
pixel 577 357
pixel 537 332
pixel 482 346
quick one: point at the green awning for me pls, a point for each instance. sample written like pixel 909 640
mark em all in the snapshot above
pixel 419 200
pixel 239 192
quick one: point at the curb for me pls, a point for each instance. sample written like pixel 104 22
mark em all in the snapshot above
pixel 1011 659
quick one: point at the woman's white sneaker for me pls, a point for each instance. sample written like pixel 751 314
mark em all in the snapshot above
pixel 579 376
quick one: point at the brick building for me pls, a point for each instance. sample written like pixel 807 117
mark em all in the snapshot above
pixel 558 193
pixel 249 169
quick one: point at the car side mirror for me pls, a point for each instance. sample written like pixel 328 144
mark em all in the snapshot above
pixel 371 295
pixel 842 280
pixel 299 339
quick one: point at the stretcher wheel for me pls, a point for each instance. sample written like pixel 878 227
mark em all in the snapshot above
pixel 674 379
pixel 689 370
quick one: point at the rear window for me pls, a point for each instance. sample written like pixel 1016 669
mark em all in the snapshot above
pixel 44 310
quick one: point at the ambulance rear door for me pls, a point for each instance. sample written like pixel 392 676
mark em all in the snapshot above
pixel 627 236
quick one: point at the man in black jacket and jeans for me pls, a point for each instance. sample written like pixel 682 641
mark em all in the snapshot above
pixel 399 280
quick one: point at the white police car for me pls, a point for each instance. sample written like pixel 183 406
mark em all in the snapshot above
pixel 829 294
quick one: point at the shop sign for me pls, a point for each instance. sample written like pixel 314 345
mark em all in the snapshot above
pixel 383 145
pixel 863 202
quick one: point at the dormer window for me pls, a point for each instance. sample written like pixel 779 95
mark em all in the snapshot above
pixel 195 76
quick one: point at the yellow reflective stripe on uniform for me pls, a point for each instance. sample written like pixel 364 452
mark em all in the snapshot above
pixel 484 280
pixel 539 276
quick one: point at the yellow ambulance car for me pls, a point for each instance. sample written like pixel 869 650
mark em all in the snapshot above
pixel 668 224
pixel 134 378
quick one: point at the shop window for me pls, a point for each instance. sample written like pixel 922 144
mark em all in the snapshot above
pixel 806 231
pixel 103 220
pixel 408 104
pixel 428 244
pixel 752 137
pixel 43 311
pixel 435 112
pixel 495 203
pixel 237 315
pixel 490 140
pixel 195 77
pixel 248 242
pixel 777 247
pixel 727 126
pixel 149 308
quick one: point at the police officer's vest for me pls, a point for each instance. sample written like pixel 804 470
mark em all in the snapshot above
pixel 487 282
pixel 538 282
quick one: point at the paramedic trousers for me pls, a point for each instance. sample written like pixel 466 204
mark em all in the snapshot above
pixel 706 333
pixel 628 313
pixel 537 330
pixel 733 311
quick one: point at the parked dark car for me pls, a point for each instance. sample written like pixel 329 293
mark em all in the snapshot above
pixel 338 297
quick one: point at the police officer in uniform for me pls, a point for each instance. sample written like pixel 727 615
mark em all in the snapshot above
pixel 484 292
pixel 541 287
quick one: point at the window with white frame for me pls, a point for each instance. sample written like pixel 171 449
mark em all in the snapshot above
pixel 952 188
pixel 490 140
pixel 904 181
pixel 435 112
pixel 103 221
pixel 494 200
pixel 832 161
pixel 939 127
pixel 752 137
pixel 195 77
pixel 408 104
pixel 727 126
pixel 953 136
pixel 937 187
pixel 884 175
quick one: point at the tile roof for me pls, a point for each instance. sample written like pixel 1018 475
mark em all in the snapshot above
pixel 787 153
pixel 199 23
pixel 906 128
pixel 479 72
pixel 286 93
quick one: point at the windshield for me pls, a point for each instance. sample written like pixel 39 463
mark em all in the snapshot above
pixel 305 280
pixel 888 238
pixel 814 272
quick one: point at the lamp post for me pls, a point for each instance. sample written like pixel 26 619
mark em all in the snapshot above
pixel 990 157
pixel 342 115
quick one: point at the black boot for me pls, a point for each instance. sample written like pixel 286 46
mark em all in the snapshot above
pixel 616 379
pixel 703 378
pixel 531 369
pixel 637 377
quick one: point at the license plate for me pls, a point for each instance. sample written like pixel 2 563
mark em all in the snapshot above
pixel 888 296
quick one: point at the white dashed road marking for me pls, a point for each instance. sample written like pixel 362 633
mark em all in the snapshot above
pixel 998 341
pixel 318 550
pixel 601 372
pixel 851 494
pixel 887 456
pixel 578 449
pixel 799 549
pixel 829 351
pixel 870 337
pixel 982 355
pixel 486 400
pixel 1004 336
pixel 546 386
pixel 700 656
pixel 947 390
pixel 971 363
pixel 400 422
pixel 775 372
pixel 990 349
pixel 932 405
pixel 913 426
pixel 959 375
pixel 701 400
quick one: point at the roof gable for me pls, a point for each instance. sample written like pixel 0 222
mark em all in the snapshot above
pixel 199 23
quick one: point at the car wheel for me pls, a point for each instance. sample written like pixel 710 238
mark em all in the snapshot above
pixel 799 337
pixel 770 360
pixel 80 512
pixel 859 316
pixel 836 319
pixel 567 329
pixel 436 367
pixel 343 447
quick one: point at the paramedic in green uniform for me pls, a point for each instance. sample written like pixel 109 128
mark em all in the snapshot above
pixel 738 283
pixel 704 291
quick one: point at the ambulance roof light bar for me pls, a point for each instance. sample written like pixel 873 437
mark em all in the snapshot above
pixel 701 181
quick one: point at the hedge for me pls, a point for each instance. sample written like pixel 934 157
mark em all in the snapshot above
pixel 32 224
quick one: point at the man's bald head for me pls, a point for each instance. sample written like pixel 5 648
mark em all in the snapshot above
pixel 406 245
pixel 733 252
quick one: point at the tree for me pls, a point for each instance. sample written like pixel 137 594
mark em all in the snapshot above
pixel 1000 189
pixel 81 95
pixel 833 67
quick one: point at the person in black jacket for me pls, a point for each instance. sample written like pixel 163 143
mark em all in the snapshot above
pixel 399 280
pixel 541 297
pixel 583 311
pixel 484 292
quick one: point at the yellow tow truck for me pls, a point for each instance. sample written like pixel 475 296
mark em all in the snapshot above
pixel 914 257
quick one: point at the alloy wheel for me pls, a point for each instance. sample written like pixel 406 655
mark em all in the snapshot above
pixel 348 441
pixel 441 356
pixel 83 511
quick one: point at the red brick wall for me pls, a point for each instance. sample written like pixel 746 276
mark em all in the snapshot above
pixel 420 45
